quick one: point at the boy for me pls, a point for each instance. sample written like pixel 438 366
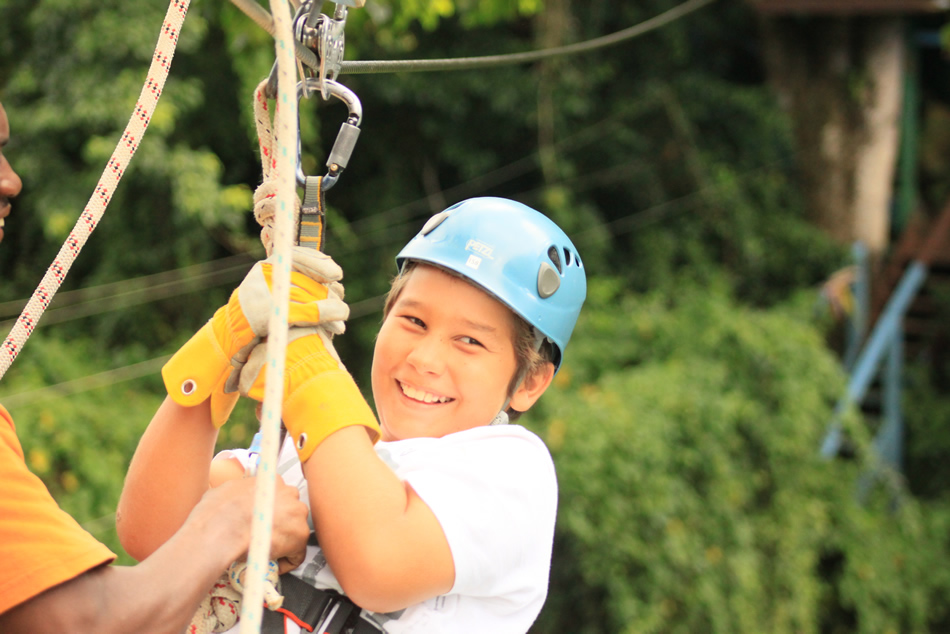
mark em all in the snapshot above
pixel 446 524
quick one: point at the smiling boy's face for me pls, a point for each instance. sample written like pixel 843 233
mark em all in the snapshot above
pixel 9 181
pixel 444 358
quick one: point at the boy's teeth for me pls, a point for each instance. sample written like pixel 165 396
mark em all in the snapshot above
pixel 422 395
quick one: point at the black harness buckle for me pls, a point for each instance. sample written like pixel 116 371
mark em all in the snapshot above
pixel 314 610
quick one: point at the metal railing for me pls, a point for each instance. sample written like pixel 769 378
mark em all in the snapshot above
pixel 886 342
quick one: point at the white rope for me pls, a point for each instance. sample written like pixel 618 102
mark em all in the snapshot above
pixel 265 196
pixel 96 207
pixel 285 164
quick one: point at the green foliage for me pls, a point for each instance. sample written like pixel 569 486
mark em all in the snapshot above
pixel 692 494
pixel 80 444
pixel 473 13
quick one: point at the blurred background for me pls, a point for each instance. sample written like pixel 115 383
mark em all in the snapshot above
pixel 752 428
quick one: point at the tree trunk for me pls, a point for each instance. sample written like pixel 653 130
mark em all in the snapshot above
pixel 553 27
pixel 841 80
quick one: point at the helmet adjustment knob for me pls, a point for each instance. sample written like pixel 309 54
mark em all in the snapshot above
pixel 548 280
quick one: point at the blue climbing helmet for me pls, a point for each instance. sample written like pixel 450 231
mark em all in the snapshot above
pixel 516 254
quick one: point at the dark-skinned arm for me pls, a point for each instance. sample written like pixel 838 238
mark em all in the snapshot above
pixel 162 593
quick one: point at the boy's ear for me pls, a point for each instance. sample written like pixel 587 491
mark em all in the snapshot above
pixel 532 388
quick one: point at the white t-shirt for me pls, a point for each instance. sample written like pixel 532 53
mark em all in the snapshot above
pixel 494 491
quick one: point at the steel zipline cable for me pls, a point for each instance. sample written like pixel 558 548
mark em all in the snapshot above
pixel 307 57
pixel 489 61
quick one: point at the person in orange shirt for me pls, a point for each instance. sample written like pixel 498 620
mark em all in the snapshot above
pixel 57 577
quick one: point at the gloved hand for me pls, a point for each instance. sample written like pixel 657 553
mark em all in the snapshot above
pixel 209 364
pixel 320 396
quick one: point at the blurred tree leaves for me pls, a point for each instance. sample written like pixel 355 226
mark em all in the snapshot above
pixel 692 494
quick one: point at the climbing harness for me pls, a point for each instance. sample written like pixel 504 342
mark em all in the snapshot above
pixel 315 610
pixel 287 599
pixel 218 611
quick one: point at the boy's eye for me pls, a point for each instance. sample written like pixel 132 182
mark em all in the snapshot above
pixel 415 321
pixel 471 341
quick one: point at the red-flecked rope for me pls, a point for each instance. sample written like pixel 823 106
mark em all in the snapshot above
pixel 95 208
pixel 265 196
pixel 221 607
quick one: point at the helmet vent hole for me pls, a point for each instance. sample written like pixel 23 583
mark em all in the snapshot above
pixel 435 221
pixel 553 254
pixel 567 257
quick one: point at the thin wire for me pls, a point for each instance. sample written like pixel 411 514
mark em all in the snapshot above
pixel 219 275
pixel 227 265
pixel 356 67
pixel 139 370
pixel 488 61
pixel 135 293
pixel 86 383
pixel 497 176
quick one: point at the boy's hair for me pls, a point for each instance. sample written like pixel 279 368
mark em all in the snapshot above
pixel 528 357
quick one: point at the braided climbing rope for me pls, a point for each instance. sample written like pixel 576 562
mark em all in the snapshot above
pixel 265 196
pixel 96 207
pixel 219 610
pixel 284 164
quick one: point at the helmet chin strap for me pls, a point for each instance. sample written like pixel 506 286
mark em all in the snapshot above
pixel 501 418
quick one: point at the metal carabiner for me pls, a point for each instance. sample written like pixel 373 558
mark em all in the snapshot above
pixel 346 138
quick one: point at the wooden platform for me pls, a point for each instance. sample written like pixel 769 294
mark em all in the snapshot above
pixel 927 240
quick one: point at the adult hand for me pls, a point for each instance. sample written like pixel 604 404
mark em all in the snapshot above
pixel 231 505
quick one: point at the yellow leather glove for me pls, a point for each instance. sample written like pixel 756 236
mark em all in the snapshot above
pixel 208 365
pixel 320 396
